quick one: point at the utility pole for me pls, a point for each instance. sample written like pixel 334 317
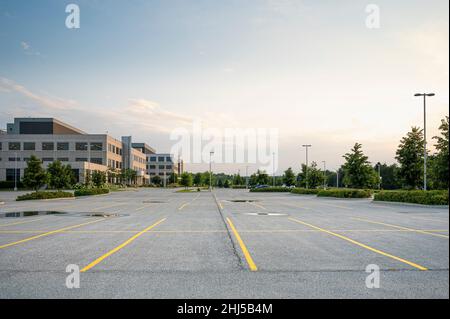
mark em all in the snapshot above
pixel 246 177
pixel 306 146
pixel 15 172
pixel 425 136
pixel 337 178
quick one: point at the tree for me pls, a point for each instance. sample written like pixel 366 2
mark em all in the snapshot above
pixel 98 178
pixel 186 180
pixel 173 178
pixel 59 177
pixel 198 179
pixel 315 176
pixel 358 173
pixel 157 180
pixel 227 184
pixel 410 157
pixel 128 175
pixel 439 167
pixel 70 174
pixel 389 176
pixel 301 177
pixel 35 175
pixel 289 177
pixel 262 178
pixel 238 180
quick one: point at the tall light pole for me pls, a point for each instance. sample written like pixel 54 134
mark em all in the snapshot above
pixel 337 178
pixel 306 146
pixel 324 174
pixel 15 172
pixel 424 136
pixel 246 177
pixel 210 171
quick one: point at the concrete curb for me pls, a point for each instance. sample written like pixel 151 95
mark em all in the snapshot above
pixel 385 203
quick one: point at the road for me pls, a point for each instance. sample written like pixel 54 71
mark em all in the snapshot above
pixel 155 243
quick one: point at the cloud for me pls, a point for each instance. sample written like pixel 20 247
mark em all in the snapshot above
pixel 48 102
pixel 28 49
pixel 25 45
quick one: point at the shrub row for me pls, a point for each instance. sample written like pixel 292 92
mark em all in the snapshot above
pixel 44 195
pixel 239 187
pixel 305 191
pixel 91 191
pixel 270 189
pixel 415 197
pixel 345 193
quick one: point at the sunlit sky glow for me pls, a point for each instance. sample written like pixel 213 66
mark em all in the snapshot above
pixel 312 69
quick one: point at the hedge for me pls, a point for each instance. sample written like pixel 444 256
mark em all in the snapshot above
pixel 238 186
pixel 44 195
pixel 270 189
pixel 345 193
pixel 437 197
pixel 305 191
pixel 91 191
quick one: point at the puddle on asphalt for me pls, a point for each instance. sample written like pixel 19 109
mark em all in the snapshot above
pixel 71 214
pixel 242 200
pixel 266 214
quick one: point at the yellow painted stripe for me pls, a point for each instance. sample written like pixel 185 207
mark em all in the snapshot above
pixel 361 245
pixel 400 227
pixel 22 222
pixel 49 233
pixel 244 249
pixel 183 206
pixel 125 243
pixel 220 205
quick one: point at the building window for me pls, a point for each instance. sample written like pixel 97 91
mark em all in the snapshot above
pixel 13 159
pixel 63 159
pixel 1 147
pixel 168 166
pixel 62 146
pixel 96 146
pixel 153 159
pixel 11 173
pixel 161 166
pixel 48 146
pixel 97 160
pixel 81 159
pixel 168 159
pixel 47 159
pixel 152 166
pixel 160 158
pixel 81 146
pixel 14 146
pixel 29 146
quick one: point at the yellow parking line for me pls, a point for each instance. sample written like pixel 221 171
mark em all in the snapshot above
pixel 22 222
pixel 244 249
pixel 400 227
pixel 125 243
pixel 361 245
pixel 49 233
pixel 183 206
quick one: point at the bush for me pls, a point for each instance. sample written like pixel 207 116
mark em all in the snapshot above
pixel 44 195
pixel 305 191
pixel 439 197
pixel 270 189
pixel 345 193
pixel 91 191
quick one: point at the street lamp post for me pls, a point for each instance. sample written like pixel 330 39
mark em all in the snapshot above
pixel 306 146
pixel 210 171
pixel 273 169
pixel 425 136
pixel 246 177
pixel 337 178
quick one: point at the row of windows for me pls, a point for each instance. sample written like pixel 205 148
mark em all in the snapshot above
pixel 159 166
pixel 160 174
pixel 138 159
pixel 114 149
pixel 50 146
pixel 114 164
pixel 160 159
pixel 94 160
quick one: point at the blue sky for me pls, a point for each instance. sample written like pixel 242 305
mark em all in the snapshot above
pixel 310 68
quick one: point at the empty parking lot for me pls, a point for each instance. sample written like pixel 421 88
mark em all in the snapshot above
pixel 155 243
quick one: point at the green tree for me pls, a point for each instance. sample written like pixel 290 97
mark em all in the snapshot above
pixel 35 175
pixel 173 178
pixel 358 173
pixel 389 176
pixel 262 178
pixel 227 184
pixel 410 157
pixel 238 180
pixel 315 176
pixel 59 177
pixel 186 180
pixel 301 177
pixel 198 179
pixel 289 177
pixel 98 178
pixel 157 180
pixel 439 167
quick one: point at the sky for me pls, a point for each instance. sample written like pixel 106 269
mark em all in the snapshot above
pixel 312 70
